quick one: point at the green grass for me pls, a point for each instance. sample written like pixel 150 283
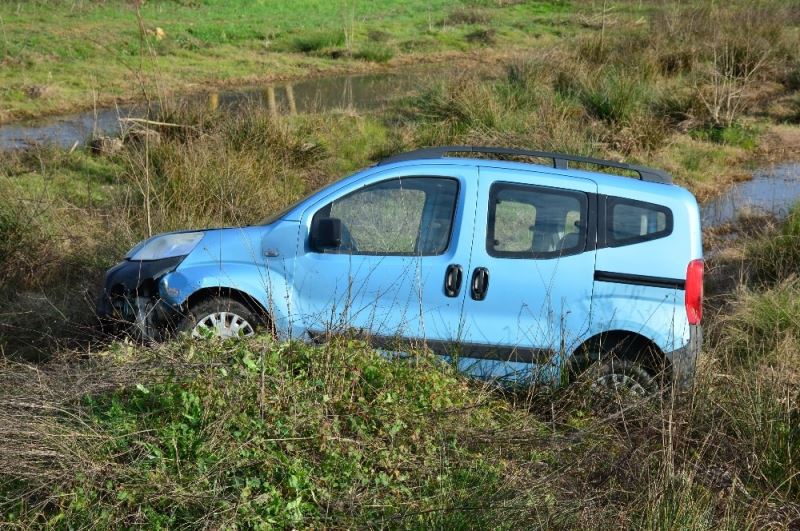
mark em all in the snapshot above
pixel 376 53
pixel 736 135
pixel 77 50
pixel 335 435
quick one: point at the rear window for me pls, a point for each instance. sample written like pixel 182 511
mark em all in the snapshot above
pixel 631 221
pixel 528 221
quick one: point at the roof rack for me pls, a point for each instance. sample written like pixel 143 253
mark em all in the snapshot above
pixel 560 160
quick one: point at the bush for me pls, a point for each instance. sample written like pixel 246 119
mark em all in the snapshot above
pixel 224 171
pixel 484 37
pixel 16 237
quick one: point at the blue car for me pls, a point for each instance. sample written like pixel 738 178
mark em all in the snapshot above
pixel 510 269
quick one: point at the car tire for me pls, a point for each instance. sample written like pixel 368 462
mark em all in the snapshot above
pixel 620 375
pixel 221 317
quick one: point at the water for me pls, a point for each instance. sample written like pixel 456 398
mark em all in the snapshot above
pixel 357 92
pixel 772 190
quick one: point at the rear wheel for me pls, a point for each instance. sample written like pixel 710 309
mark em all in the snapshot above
pixel 622 376
pixel 221 317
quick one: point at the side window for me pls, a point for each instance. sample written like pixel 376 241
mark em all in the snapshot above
pixel 403 216
pixel 535 222
pixel 629 221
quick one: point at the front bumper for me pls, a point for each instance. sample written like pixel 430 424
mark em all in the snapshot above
pixel 131 297
pixel 684 359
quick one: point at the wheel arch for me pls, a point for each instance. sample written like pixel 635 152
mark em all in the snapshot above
pixel 208 293
pixel 624 344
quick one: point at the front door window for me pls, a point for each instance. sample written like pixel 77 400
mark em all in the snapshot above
pixel 410 216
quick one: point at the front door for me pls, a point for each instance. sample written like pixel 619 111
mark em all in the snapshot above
pixel 529 289
pixel 399 268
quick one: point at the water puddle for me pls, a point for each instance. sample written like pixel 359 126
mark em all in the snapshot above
pixel 772 191
pixel 358 92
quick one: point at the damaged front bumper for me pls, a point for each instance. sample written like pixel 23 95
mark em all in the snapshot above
pixel 131 301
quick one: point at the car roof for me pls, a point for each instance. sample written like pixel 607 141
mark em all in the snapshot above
pixel 559 160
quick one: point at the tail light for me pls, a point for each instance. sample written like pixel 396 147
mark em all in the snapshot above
pixel 694 291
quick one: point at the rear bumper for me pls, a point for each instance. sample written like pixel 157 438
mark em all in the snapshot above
pixel 684 359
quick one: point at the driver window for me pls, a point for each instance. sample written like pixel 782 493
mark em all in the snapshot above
pixel 404 216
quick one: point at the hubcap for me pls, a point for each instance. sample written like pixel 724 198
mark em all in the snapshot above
pixel 620 383
pixel 223 325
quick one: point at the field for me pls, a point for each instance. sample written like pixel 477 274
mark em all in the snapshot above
pixel 99 432
pixel 58 55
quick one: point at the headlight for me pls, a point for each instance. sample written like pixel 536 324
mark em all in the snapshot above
pixel 166 246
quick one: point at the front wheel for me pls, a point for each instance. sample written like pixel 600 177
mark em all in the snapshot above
pixel 220 317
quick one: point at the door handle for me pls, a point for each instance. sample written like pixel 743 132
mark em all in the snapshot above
pixel 480 283
pixel 452 280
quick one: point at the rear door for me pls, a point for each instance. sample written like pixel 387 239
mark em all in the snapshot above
pixel 529 288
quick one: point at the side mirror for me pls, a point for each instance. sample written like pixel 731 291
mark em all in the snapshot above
pixel 327 234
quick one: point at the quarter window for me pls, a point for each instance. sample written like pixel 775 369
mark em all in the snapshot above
pixel 630 222
pixel 404 216
pixel 535 222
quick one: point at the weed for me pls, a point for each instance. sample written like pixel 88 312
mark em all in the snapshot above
pixel 792 78
pixel 376 35
pixel 613 96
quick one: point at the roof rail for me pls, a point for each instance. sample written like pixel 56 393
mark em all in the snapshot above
pixel 560 160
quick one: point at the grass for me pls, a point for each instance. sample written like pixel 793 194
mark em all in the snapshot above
pixel 334 435
pixel 61 55
pixel 776 256
pixel 105 433
pixel 264 434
